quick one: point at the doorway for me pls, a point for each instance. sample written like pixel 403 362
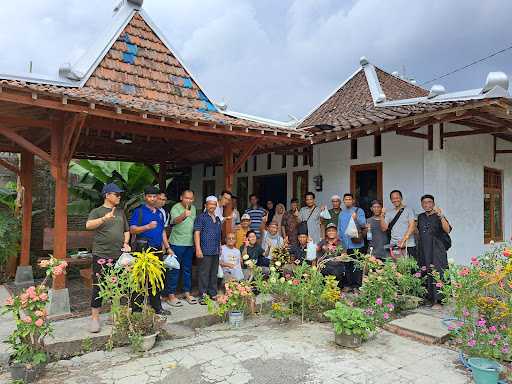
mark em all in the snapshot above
pixel 366 184
pixel 270 187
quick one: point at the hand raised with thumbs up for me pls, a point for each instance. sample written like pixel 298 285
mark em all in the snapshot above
pixel 109 215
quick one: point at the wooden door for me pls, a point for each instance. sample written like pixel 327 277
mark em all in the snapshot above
pixel 300 185
pixel 366 184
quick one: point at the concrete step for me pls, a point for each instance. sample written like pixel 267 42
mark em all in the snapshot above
pixel 421 327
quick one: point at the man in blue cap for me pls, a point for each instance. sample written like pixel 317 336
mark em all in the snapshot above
pixel 111 238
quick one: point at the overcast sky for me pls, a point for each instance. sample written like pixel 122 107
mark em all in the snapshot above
pixel 277 57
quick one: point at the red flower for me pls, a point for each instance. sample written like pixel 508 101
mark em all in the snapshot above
pixel 295 282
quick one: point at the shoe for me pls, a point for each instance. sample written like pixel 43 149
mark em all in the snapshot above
pixel 164 312
pixel 166 306
pixel 94 326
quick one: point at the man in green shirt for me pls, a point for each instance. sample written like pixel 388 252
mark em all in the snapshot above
pixel 182 216
pixel 334 212
pixel 111 238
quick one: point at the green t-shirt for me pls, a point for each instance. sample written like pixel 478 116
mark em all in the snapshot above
pixel 182 233
pixel 109 236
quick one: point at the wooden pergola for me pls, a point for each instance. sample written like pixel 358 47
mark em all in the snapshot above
pixel 58 129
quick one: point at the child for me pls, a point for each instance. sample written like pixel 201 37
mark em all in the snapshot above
pixel 230 259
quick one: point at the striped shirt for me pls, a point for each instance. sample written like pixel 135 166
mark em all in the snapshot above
pixel 256 219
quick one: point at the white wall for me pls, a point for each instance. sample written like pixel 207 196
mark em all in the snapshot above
pixel 453 175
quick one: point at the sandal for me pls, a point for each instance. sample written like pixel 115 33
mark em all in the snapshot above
pixel 202 301
pixel 191 300
pixel 176 303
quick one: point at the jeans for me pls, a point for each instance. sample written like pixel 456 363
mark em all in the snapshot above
pixel 184 254
pixel 207 270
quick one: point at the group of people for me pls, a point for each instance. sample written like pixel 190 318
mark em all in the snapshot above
pixel 256 233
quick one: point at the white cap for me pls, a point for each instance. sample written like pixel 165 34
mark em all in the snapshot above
pixel 211 198
pixel 335 197
pixel 245 216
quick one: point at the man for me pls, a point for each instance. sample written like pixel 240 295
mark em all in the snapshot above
pixel 111 237
pixel 377 238
pixel 182 217
pixel 271 211
pixel 334 212
pixel 147 224
pixel 298 251
pixel 434 241
pixel 271 238
pixel 207 238
pixel 225 199
pixel 290 222
pixel 400 222
pixel 161 201
pixel 310 214
pixel 328 248
pixel 256 214
pixel 353 245
pixel 242 229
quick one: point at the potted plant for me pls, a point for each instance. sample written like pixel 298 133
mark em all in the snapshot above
pixel 351 325
pixel 233 303
pixel 29 357
pixel 481 297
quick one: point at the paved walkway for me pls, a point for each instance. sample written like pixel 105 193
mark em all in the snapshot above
pixel 262 352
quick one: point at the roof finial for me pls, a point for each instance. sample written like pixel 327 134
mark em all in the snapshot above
pixel 363 61
pixel 495 79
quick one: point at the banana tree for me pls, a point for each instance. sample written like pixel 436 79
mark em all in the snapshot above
pixel 93 174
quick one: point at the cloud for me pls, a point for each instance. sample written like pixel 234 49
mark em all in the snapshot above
pixel 277 58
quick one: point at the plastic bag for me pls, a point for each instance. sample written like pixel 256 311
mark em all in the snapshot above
pixel 311 251
pixel 124 260
pixel 351 230
pixel 171 262
pixel 325 214
pixel 220 273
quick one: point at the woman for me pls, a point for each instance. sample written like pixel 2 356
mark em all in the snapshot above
pixel 278 216
pixel 230 259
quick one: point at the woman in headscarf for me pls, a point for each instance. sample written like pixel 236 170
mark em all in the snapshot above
pixel 278 216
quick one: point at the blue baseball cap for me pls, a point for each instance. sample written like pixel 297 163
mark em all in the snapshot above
pixel 111 188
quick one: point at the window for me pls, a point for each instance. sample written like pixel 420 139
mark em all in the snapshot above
pixel 493 202
pixel 353 149
pixel 269 161
pixel 283 161
pixel 295 159
pixel 246 166
pixel 255 163
pixel 377 145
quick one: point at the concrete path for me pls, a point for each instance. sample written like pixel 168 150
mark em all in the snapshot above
pixel 262 352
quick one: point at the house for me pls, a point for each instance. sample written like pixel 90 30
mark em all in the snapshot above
pixel 378 132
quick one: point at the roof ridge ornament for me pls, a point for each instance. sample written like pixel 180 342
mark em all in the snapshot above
pixel 436 90
pixel 363 61
pixel 495 79
pixel 378 95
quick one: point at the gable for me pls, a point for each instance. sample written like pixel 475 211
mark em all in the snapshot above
pixel 139 66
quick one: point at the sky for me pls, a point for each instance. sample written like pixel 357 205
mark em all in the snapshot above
pixel 282 58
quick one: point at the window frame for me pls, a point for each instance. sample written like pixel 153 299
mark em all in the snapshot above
pixel 493 191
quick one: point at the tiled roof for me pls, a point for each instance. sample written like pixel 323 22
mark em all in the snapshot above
pixel 139 72
pixel 352 104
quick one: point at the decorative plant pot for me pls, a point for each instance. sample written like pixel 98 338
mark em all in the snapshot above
pixel 235 318
pixel 347 341
pixel 148 342
pixel 485 371
pixel 26 373
pixel 408 302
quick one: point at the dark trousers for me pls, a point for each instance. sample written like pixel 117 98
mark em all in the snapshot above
pixel 353 275
pixel 153 300
pixel 207 273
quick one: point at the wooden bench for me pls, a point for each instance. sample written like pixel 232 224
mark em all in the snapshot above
pixel 76 240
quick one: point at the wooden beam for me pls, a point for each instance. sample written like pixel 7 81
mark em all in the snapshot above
pixel 10 166
pixel 469 133
pixel 503 151
pixel 412 134
pixel 24 143
pixel 27 167
pixel 162 170
pixel 229 175
pixel 24 122
pixel 39 101
pixel 73 136
pixel 245 153
pixel 441 136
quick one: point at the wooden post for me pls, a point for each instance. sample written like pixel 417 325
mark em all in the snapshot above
pixel 162 170
pixel 430 137
pixel 26 168
pixel 228 185
pixel 59 170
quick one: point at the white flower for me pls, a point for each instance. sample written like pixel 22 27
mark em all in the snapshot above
pixel 278 263
pixel 246 256
pixel 282 279
pixel 273 280
pixel 451 260
pixel 272 269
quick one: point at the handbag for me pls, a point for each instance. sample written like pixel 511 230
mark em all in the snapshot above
pixel 171 262
pixel 305 222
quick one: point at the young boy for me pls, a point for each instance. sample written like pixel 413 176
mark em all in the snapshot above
pixel 230 259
